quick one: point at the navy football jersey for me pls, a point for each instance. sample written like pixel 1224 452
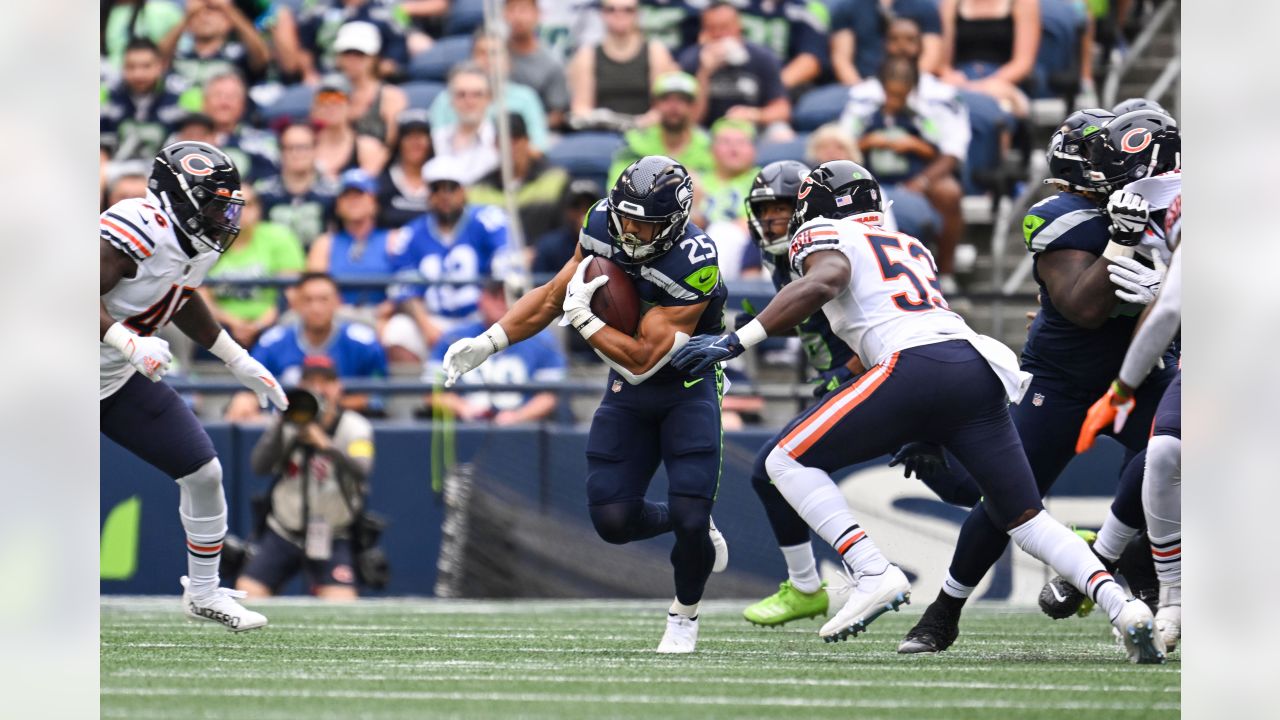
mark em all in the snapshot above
pixel 822 347
pixel 1085 360
pixel 687 274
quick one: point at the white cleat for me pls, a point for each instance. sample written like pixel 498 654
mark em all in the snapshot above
pixel 871 597
pixel 1137 628
pixel 681 635
pixel 1169 625
pixel 722 549
pixel 220 606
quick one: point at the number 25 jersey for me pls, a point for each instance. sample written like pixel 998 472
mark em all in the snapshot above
pixel 165 278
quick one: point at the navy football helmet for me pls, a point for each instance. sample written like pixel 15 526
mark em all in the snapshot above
pixel 1138 103
pixel 837 189
pixel 1067 163
pixel 199 187
pixel 654 189
pixel 1135 145
pixel 777 181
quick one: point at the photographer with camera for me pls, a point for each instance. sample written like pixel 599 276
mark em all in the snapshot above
pixel 320 456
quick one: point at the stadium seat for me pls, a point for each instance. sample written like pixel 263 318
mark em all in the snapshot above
pixel 422 93
pixel 819 106
pixel 1058 59
pixel 586 155
pixel 435 63
pixel 294 102
pixel 767 152
pixel 464 17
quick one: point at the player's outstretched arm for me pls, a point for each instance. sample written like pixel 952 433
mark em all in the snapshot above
pixel 196 321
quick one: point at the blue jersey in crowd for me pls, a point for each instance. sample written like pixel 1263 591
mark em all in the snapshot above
pixel 687 274
pixel 536 359
pixel 348 258
pixel 136 127
pixel 822 347
pixel 868 23
pixel 1057 349
pixel 353 348
pixel 307 214
pixel 473 253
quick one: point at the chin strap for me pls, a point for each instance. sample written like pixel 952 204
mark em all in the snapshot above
pixel 632 378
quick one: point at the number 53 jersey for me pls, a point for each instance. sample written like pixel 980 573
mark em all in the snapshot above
pixel 165 278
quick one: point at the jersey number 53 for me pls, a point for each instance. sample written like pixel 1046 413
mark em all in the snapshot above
pixel 916 265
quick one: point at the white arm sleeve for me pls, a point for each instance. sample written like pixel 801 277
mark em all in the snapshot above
pixel 632 378
pixel 1159 329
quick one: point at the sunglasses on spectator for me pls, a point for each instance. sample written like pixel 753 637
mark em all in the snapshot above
pixel 622 9
pixel 444 186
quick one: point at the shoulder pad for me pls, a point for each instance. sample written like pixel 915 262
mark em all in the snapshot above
pixel 131 227
pixel 817 234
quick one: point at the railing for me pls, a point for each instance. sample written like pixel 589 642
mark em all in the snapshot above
pixel 1154 26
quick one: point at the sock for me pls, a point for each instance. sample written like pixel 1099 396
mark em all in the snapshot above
pixel 954 589
pixel 817 499
pixel 1167 553
pixel 1162 501
pixel 1112 538
pixel 203 510
pixel 679 608
pixel 802 567
pixel 1050 542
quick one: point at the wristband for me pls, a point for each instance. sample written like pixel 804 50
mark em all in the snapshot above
pixel 226 349
pixel 1115 250
pixel 753 333
pixel 1117 389
pixel 118 337
pixel 497 337
pixel 590 327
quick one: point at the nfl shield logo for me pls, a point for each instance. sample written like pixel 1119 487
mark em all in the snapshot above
pixel 1037 399
pixel 617 386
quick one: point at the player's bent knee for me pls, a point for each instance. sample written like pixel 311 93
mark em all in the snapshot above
pixel 779 465
pixel 205 477
pixel 612 523
pixel 1164 462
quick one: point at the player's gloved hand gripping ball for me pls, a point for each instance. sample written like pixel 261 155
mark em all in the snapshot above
pixel 577 301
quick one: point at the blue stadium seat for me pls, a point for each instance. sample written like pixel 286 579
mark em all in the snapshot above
pixel 464 17
pixel 422 93
pixel 1061 25
pixel 586 154
pixel 767 152
pixel 294 102
pixel 434 64
pixel 819 106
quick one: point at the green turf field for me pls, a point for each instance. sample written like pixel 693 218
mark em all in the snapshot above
pixel 595 659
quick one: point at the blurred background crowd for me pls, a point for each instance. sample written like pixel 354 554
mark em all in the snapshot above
pixel 409 165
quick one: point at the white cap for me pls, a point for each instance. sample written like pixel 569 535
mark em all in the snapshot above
pixel 445 168
pixel 359 36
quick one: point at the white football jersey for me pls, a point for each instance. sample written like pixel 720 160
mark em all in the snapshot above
pixel 893 301
pixel 1159 191
pixel 166 277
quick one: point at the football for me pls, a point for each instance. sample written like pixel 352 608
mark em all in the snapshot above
pixel 616 302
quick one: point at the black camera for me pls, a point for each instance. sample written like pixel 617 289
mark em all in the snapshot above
pixel 304 406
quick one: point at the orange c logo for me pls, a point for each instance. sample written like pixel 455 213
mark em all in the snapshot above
pixel 1143 136
pixel 805 187
pixel 197 165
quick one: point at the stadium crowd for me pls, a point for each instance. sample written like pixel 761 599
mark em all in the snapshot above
pixel 368 133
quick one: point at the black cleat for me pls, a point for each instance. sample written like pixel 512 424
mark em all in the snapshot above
pixel 936 631
pixel 1060 599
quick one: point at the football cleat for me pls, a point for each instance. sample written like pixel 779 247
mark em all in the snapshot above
pixel 1169 625
pixel 1137 628
pixel 936 631
pixel 872 596
pixel 722 549
pixel 681 635
pixel 786 605
pixel 220 606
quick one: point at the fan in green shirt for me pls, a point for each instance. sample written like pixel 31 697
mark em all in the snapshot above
pixel 675 135
pixel 723 191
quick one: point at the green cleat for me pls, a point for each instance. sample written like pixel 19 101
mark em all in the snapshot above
pixel 786 605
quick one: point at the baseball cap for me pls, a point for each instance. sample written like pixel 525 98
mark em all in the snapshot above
pixel 358 36
pixel 319 365
pixel 444 168
pixel 334 83
pixel 731 124
pixel 195 118
pixel 357 179
pixel 675 82
pixel 584 189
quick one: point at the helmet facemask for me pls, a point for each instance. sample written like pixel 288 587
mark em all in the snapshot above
pixel 636 248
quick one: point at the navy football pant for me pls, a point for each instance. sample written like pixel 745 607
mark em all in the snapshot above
pixel 150 420
pixel 944 393
pixel 1048 422
pixel 670 421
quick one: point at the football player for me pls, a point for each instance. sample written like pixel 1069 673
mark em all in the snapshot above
pixel 769 207
pixel 652 412
pixel 153 253
pixel 932 379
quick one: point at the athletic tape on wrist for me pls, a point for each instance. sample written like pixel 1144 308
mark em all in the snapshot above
pixel 753 333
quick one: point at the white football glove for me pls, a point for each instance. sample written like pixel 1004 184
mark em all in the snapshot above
pixel 249 372
pixel 150 355
pixel 467 354
pixel 577 301
pixel 1135 282
pixel 1129 214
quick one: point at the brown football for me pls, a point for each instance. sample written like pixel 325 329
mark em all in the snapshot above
pixel 616 302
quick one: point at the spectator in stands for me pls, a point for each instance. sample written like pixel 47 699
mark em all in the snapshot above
pixel 263 250
pixel 126 180
pixel 201 47
pixel 427 19
pixel 253 151
pixel 742 79
pixel 196 127
pixel 940 109
pixel 831 142
pixel 299 198
pixel 610 80
pixel 374 104
pixel 720 194
pixel 862 30
pixel 455 242
pixel 339 147
pixel 533 64
pixel 796 30
pixel 318 30
pixel 353 347
pixel 402 193
pixel 676 134
pixel 673 23
pixel 123 21
pixel 473 138
pixel 537 359
pixel 539 186
pixel 329 458
pixel 566 25
pixel 139 112
pixel 989 46
pixel 553 249
pixel 522 99
pixel 358 247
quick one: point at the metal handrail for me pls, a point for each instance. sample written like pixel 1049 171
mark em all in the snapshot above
pixel 1118 70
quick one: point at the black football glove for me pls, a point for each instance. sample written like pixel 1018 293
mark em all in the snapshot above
pixel 829 380
pixel 921 458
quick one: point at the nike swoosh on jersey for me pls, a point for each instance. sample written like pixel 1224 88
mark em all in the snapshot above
pixel 691 383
